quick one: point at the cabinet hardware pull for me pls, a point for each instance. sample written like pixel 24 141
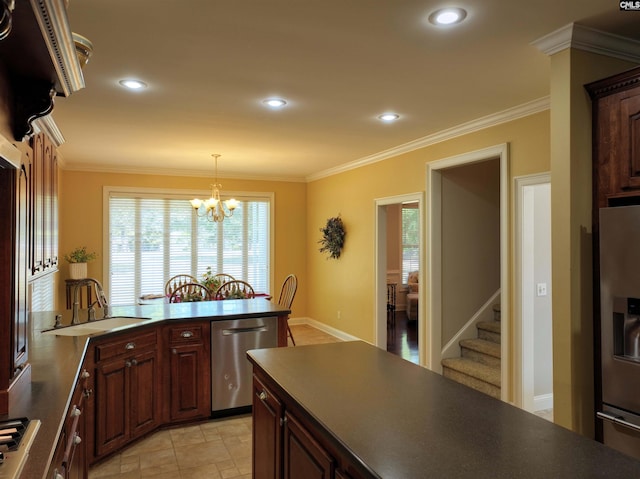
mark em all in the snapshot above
pixel 77 439
pixel 85 374
pixel 174 351
pixel 263 396
pixel 88 392
pixel 127 363
pixel 617 420
pixel 130 345
pixel 187 334
pixel 134 362
pixel 57 475
pixel 75 412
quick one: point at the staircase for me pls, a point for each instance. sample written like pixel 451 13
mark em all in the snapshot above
pixel 479 364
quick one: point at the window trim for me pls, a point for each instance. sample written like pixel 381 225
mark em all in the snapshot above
pixel 185 194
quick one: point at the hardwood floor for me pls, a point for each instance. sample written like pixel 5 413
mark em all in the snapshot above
pixel 402 339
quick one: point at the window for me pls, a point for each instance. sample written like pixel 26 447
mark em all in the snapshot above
pixel 410 239
pixel 154 236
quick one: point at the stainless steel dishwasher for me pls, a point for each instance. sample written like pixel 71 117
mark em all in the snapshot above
pixel 231 376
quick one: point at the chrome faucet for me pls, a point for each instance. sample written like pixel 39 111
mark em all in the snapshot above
pixel 101 300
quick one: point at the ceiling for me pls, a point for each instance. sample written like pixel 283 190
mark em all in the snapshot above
pixel 209 64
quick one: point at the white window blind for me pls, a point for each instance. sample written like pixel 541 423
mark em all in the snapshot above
pixel 153 237
pixel 410 239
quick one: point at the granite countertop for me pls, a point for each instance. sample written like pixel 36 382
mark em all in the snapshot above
pixel 404 421
pixel 56 361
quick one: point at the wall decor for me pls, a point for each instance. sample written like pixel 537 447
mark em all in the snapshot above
pixel 333 235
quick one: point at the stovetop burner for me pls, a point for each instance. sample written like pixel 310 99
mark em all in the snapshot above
pixel 11 433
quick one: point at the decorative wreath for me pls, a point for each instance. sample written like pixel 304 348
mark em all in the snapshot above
pixel 333 237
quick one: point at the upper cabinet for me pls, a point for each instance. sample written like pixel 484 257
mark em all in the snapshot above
pixel 43 256
pixel 39 55
pixel 616 132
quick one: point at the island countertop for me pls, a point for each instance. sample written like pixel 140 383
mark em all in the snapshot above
pixel 400 420
pixel 56 362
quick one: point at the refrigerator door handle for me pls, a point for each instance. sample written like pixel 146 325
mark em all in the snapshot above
pixel 617 420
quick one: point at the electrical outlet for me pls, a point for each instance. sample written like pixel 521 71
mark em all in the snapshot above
pixel 541 289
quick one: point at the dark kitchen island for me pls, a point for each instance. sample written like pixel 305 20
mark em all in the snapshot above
pixel 351 410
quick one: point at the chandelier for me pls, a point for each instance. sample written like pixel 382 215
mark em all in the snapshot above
pixel 214 209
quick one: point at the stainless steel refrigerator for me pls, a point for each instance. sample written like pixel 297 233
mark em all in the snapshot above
pixel 620 327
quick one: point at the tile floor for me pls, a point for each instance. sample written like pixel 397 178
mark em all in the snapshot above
pixel 216 449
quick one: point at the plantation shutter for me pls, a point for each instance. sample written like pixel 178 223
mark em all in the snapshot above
pixel 152 238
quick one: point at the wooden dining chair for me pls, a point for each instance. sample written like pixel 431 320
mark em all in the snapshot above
pixel 235 289
pixel 177 281
pixel 189 293
pixel 287 293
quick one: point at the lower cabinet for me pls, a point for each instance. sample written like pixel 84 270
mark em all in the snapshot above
pixel 70 458
pixel 286 446
pixel 127 390
pixel 188 372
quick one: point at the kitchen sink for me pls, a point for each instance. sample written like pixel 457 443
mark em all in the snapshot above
pixel 94 327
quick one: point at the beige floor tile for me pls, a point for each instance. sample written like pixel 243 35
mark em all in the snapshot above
pixel 187 435
pixel 201 454
pixel 155 442
pixel 208 471
pixel 154 459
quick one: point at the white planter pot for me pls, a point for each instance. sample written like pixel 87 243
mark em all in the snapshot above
pixel 77 270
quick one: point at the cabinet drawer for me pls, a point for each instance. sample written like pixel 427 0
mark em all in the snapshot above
pixel 187 333
pixel 125 345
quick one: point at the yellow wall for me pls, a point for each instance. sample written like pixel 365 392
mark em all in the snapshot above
pixel 81 197
pixel 346 287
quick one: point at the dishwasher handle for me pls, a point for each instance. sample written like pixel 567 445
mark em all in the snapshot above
pixel 255 329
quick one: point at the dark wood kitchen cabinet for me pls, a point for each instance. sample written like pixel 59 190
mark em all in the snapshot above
pixel 616 140
pixel 127 390
pixel 43 257
pixel 14 195
pixel 70 458
pixel 285 445
pixel 188 388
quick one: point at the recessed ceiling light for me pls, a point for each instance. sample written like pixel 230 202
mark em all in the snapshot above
pixel 275 102
pixel 448 16
pixel 133 84
pixel 389 117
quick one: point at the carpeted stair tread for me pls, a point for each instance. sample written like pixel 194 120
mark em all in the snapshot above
pixel 492 326
pixel 474 369
pixel 482 346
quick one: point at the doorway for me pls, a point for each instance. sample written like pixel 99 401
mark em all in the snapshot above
pixel 436 243
pixel 386 272
pixel 533 322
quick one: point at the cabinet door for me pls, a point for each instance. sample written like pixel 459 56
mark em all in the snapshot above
pixel 111 406
pixel 20 330
pixel 144 392
pixel 303 455
pixel 189 388
pixel 37 206
pixel 267 433
pixel 629 146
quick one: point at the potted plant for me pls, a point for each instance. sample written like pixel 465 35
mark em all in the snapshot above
pixel 78 259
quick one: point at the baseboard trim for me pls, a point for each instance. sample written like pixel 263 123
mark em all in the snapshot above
pixel 542 402
pixel 325 328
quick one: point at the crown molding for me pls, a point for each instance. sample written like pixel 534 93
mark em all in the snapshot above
pixel 527 109
pixel 47 125
pixel 172 172
pixel 589 40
